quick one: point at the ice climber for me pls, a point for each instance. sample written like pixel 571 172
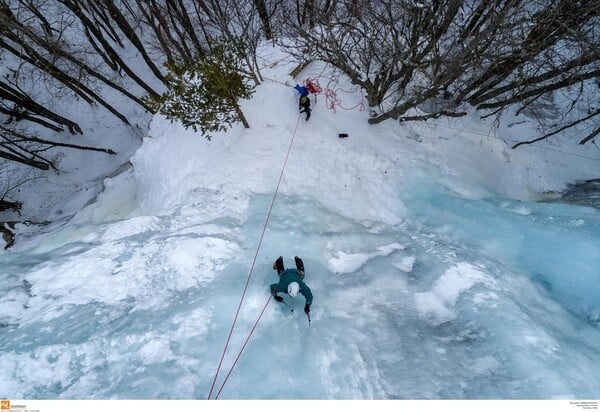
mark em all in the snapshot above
pixel 291 281
pixel 304 101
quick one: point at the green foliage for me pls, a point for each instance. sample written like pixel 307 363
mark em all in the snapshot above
pixel 204 96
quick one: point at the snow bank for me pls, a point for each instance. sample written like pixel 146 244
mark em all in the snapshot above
pixel 437 305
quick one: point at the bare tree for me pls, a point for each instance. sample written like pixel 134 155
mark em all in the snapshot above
pixel 109 12
pixel 27 149
pixel 241 23
pixel 12 210
pixel 265 18
pixel 50 55
pixel 175 26
pixel 441 56
pixel 378 45
pixel 18 105
pixel 96 36
pixel 567 70
pixel 305 12
pixel 9 186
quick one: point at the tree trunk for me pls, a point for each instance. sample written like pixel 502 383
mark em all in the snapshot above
pixel 239 113
pixel 74 6
pixel 189 28
pixel 129 32
pixel 79 88
pixel 14 206
pixel 23 160
pixel 97 11
pixel 164 30
pixel 23 101
pixel 264 18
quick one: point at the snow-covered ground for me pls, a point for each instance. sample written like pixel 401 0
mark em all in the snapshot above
pixel 435 274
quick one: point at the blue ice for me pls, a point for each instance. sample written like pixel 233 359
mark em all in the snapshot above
pixel 465 299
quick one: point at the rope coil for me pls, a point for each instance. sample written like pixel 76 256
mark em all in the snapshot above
pixel 332 100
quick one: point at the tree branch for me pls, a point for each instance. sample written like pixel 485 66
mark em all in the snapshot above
pixel 588 138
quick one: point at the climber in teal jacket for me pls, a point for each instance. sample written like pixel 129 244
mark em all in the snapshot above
pixel 291 281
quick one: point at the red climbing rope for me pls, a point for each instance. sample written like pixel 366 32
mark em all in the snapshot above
pixel 331 93
pixel 262 235
pixel 332 99
pixel 243 346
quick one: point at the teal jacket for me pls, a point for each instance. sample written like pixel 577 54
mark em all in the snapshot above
pixel 288 276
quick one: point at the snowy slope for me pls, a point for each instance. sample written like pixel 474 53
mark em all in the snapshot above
pixel 434 275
